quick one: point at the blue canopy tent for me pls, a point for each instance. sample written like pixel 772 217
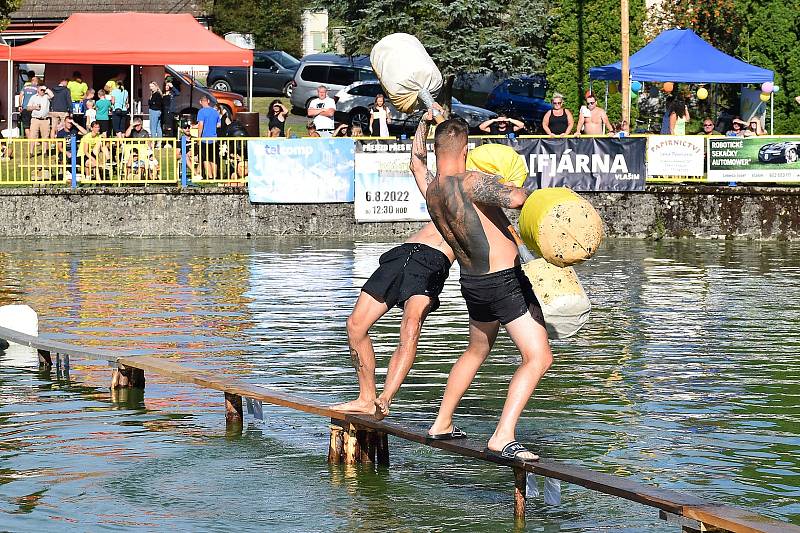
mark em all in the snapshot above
pixel 683 56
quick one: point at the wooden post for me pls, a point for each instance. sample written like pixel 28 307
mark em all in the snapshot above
pixel 44 359
pixel 233 408
pixel 382 448
pixel 364 436
pixel 127 376
pixel 625 85
pixel 519 493
pixel 352 451
pixel 337 445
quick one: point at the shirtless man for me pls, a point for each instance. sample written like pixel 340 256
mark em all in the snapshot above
pixel 467 209
pixel 410 276
pixel 592 118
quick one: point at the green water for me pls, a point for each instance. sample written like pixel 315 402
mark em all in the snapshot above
pixel 686 377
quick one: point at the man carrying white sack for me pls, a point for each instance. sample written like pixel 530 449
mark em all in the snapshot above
pixel 466 207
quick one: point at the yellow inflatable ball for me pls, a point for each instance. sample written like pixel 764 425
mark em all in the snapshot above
pixel 499 159
pixel 561 226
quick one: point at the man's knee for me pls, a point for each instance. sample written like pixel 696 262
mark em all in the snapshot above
pixel 356 326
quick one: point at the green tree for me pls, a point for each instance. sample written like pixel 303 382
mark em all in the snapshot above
pixel 716 21
pixel 461 36
pixel 6 8
pixel 585 34
pixel 275 24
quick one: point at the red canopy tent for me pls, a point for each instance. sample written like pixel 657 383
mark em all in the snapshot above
pixel 5 81
pixel 134 39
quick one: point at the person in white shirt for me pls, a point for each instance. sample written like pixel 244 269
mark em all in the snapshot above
pixel 321 110
pixel 39 106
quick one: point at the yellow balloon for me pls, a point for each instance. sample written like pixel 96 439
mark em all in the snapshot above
pixel 613 88
pixel 499 159
pixel 702 93
pixel 765 97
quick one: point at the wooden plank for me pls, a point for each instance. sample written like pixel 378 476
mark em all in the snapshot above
pixel 730 518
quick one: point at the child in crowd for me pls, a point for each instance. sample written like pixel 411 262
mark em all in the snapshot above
pixel 90 113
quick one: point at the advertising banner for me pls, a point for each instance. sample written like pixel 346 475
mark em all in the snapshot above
pixel 587 163
pixel 676 155
pixel 754 159
pixel 301 171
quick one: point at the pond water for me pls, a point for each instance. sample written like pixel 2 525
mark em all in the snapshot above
pixel 686 377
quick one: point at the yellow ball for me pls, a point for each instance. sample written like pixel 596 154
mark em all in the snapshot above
pixel 702 93
pixel 499 159
pixel 561 226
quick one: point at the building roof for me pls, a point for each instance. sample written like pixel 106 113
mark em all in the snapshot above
pixel 62 9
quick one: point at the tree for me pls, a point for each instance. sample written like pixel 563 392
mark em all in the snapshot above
pixel 275 24
pixel 461 36
pixel 716 21
pixel 586 33
pixel 6 8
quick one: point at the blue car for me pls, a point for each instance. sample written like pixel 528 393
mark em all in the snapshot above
pixel 522 97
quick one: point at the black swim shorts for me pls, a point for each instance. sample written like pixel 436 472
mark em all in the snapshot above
pixel 409 269
pixel 504 295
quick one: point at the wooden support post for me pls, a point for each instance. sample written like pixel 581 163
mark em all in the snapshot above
pixel 519 493
pixel 127 376
pixel 363 436
pixel 233 408
pixel 382 448
pixel 352 451
pixel 44 359
pixel 372 439
pixel 336 449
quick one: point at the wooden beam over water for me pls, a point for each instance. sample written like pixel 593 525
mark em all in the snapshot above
pixel 347 444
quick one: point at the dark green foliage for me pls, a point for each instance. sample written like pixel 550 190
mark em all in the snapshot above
pixel 585 34
pixel 275 24
pixel 6 8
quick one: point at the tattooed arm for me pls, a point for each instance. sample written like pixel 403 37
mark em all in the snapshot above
pixel 419 155
pixel 486 189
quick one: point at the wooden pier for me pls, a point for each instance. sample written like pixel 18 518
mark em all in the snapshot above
pixel 363 439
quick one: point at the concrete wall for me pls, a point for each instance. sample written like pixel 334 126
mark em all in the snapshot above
pixel 664 211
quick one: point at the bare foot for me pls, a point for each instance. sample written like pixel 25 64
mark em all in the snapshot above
pixel 366 407
pixel 382 405
pixel 495 445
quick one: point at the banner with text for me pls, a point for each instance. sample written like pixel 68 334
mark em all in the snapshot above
pixel 754 159
pixel 585 164
pixel 295 171
pixel 676 155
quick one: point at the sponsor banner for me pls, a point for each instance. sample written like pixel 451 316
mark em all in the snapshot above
pixel 585 164
pixel 754 159
pixel 676 155
pixel 301 171
pixel 385 189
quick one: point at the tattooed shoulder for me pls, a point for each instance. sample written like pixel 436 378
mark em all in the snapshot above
pixel 487 189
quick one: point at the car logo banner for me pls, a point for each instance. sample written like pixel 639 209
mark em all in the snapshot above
pixel 754 159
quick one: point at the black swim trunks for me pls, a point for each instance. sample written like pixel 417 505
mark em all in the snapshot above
pixel 504 295
pixel 409 269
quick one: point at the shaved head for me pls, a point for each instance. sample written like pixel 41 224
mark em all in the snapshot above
pixel 451 136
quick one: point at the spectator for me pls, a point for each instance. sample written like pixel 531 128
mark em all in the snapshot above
pixel 225 121
pixel 322 109
pixel 60 106
pixel 379 117
pixel 77 87
pixel 28 90
pixel 678 117
pixel 71 130
pixel 90 111
pixel 119 109
pixel 154 106
pixel 276 114
pixel 665 118
pixel 737 128
pixel 168 110
pixel 39 106
pixel 94 151
pixel 754 128
pixel 311 130
pixel 620 129
pixel 208 120
pixel 592 119
pixel 708 128
pixel 136 130
pixel 103 113
pixel 501 125
pixel 558 121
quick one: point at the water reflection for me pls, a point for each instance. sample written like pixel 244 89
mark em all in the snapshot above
pixel 685 377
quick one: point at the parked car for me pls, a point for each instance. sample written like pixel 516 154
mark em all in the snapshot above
pixel 331 70
pixel 522 97
pixel 779 152
pixel 353 101
pixel 188 101
pixel 273 72
pixel 232 102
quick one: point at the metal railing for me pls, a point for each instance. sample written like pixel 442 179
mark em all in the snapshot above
pixel 28 162
pixel 119 161
pixel 221 161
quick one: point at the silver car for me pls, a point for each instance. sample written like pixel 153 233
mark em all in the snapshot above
pixel 353 103
pixel 333 71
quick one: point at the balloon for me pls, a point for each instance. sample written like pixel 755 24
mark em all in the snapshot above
pixel 766 87
pixel 588 93
pixel 613 88
pixel 775 89
pixel 636 86
pixel 765 97
pixel 668 86
pixel 702 93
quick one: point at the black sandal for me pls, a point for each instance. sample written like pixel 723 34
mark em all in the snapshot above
pixel 457 433
pixel 511 451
